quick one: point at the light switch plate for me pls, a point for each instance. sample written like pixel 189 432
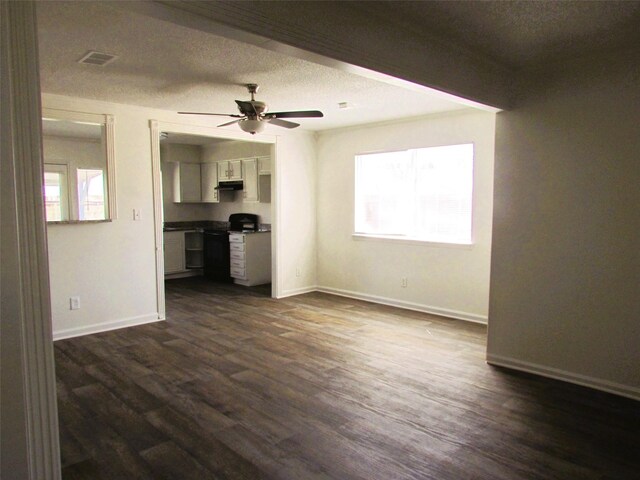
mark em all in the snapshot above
pixel 74 303
pixel 136 214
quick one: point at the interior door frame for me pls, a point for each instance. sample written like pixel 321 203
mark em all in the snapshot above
pixel 158 126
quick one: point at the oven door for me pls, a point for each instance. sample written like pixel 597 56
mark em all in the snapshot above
pixel 216 256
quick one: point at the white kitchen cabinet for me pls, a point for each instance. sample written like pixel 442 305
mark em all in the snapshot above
pixel 230 170
pixel 250 180
pixel 209 182
pixel 250 258
pixel 174 252
pixel 264 165
pixel 186 182
pixel 264 188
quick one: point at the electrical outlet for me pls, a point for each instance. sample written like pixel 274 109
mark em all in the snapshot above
pixel 403 282
pixel 297 272
pixel 74 303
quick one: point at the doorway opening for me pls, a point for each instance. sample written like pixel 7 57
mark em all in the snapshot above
pixel 214 205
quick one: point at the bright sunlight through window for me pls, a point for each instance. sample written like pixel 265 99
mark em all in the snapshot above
pixel 91 194
pixel 423 194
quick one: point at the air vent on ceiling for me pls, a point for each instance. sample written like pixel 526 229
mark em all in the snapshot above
pixel 97 58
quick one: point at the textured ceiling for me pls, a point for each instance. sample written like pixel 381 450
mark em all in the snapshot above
pixel 167 66
pixel 518 34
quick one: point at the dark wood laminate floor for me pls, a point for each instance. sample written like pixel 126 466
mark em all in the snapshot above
pixel 235 385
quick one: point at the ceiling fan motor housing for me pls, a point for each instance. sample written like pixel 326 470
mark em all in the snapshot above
pixel 260 108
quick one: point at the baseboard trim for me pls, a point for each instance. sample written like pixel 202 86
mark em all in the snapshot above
pixel 565 376
pixel 106 326
pixel 298 291
pixel 188 273
pixel 443 312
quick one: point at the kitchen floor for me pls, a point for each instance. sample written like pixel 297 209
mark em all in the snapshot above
pixel 236 385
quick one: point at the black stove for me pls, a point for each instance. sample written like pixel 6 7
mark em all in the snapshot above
pixel 216 245
pixel 243 222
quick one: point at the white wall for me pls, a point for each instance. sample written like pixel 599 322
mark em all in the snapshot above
pixel 565 279
pixel 295 219
pixel 77 152
pixel 234 149
pixel 111 266
pixel 451 280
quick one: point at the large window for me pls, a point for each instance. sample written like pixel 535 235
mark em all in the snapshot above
pixel 421 194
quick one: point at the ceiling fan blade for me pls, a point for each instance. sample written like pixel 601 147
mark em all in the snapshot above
pixel 282 123
pixel 247 108
pixel 230 123
pixel 216 114
pixel 300 114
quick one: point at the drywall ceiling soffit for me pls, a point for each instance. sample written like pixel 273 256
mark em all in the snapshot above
pixel 521 35
pixel 166 65
pixel 478 50
pixel 342 32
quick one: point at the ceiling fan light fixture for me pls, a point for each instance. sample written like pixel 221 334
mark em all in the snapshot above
pixel 253 114
pixel 251 126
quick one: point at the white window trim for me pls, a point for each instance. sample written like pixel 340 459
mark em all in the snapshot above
pixel 411 241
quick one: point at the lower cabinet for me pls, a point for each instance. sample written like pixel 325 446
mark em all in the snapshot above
pixel 174 252
pixel 250 258
pixel 194 250
pixel 183 253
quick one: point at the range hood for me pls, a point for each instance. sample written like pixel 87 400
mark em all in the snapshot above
pixel 230 185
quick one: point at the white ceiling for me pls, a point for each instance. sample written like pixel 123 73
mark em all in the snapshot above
pixel 167 66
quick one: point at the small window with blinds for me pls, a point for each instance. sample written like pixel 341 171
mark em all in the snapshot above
pixel 422 194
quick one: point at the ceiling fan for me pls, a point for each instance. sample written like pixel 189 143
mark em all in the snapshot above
pixel 254 114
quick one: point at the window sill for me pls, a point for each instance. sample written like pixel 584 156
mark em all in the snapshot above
pixel 410 241
pixel 77 222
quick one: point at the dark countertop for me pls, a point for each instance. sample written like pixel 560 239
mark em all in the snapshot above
pixel 207 225
pixel 195 225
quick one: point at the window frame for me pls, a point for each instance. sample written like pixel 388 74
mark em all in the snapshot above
pixel 65 195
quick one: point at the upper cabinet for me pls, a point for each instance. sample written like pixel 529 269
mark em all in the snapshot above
pixel 230 170
pixel 264 165
pixel 193 182
pixel 250 180
pixel 209 182
pixel 186 181
pixel 197 182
